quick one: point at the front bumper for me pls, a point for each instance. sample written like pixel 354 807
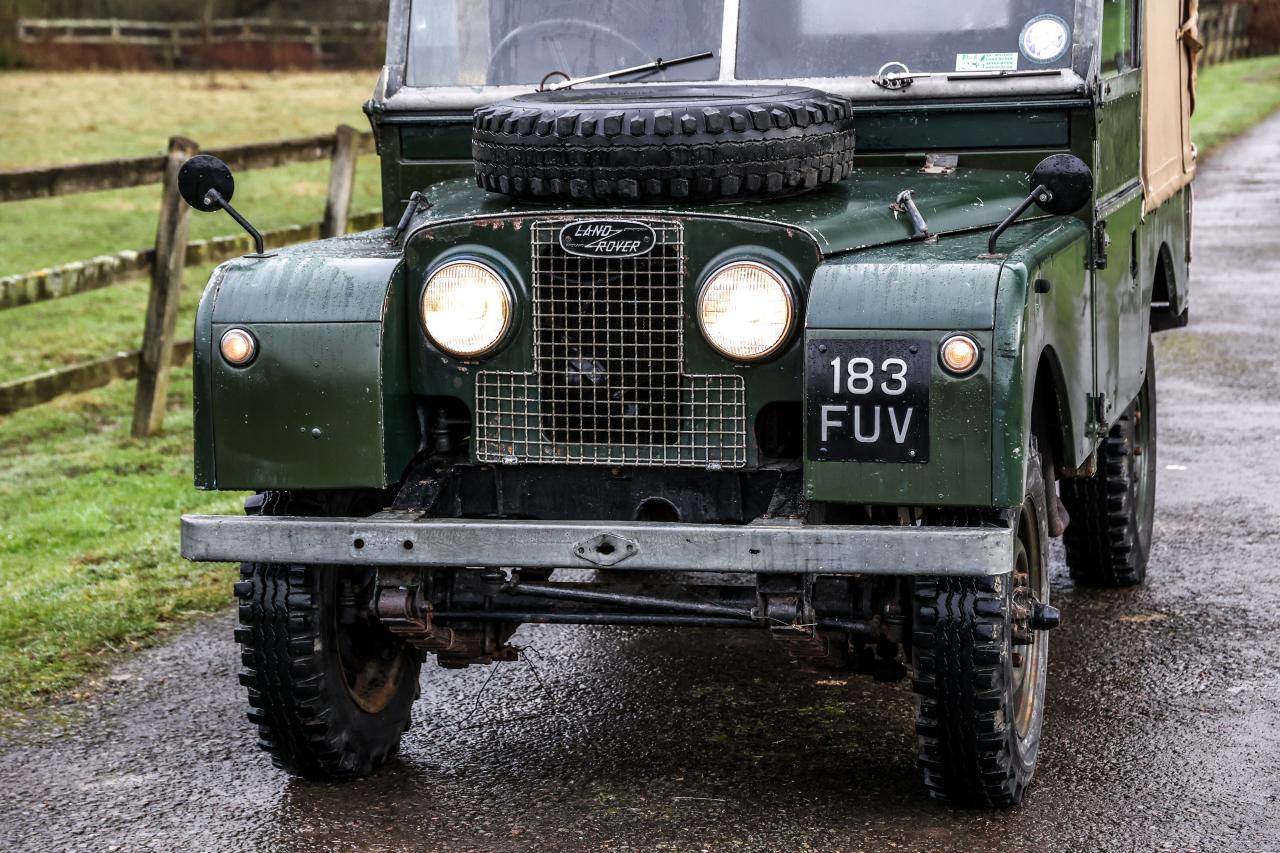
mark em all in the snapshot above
pixel 408 539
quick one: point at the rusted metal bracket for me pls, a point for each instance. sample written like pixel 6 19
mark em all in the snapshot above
pixel 786 605
pixel 406 615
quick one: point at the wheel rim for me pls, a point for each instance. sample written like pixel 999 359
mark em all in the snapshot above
pixel 373 661
pixel 1142 447
pixel 1031 586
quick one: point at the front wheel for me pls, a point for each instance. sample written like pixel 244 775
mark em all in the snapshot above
pixel 330 688
pixel 980 653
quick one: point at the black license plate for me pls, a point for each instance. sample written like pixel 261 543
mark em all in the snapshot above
pixel 868 401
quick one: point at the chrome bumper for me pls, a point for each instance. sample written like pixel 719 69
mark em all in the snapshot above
pixel 405 539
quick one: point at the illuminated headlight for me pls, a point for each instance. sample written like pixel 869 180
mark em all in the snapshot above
pixel 466 308
pixel 1045 39
pixel 238 347
pixel 960 354
pixel 746 311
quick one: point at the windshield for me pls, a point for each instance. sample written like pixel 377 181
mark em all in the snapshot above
pixel 780 39
pixel 520 42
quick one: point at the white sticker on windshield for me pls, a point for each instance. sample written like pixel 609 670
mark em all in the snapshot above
pixel 986 62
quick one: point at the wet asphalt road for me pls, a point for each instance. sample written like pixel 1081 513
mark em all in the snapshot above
pixel 1163 726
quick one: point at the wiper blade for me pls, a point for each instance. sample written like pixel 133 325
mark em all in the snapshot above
pixel 887 79
pixel 658 64
pixel 984 75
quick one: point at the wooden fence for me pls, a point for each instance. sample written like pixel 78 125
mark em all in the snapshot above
pixel 178 41
pixel 1239 30
pixel 167 260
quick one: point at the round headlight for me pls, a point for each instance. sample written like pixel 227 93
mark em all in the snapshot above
pixel 466 308
pixel 1045 39
pixel 746 311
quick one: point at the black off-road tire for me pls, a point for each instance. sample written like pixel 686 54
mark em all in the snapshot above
pixel 1108 541
pixel 310 718
pixel 971 752
pixel 663 144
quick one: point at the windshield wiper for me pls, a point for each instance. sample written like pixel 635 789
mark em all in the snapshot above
pixel 887 79
pixel 658 64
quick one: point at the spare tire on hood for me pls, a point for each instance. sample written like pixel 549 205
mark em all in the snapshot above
pixel 663 143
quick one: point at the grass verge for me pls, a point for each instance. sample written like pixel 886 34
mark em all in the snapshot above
pixel 88 537
pixel 89 559
pixel 1233 98
pixel 54 118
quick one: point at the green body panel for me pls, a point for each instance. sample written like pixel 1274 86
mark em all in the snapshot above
pixel 907 286
pixel 856 214
pixel 958 472
pixel 329 319
pixel 1119 136
pixel 1121 290
pixel 202 360
pixel 931 129
pixel 419 155
pixel 1041 337
pixel 1165 243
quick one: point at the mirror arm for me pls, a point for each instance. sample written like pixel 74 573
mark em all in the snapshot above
pixel 1040 195
pixel 214 197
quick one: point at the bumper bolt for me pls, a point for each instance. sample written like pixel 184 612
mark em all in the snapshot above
pixel 1045 617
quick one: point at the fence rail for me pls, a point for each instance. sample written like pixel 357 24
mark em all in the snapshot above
pixel 22 184
pixel 166 262
pixel 106 270
pixel 221 30
pixel 52 384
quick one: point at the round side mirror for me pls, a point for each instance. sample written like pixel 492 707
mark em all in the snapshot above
pixel 201 174
pixel 1068 180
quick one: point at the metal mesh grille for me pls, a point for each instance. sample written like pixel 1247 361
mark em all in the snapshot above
pixel 608 385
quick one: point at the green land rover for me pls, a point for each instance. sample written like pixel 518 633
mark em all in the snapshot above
pixel 808 317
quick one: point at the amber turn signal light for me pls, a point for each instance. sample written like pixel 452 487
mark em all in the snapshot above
pixel 960 354
pixel 238 347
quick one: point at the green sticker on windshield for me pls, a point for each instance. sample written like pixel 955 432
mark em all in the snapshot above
pixel 986 62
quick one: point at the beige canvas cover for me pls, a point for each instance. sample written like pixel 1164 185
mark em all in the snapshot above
pixel 1171 50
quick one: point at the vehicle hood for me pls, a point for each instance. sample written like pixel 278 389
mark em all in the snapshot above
pixel 854 214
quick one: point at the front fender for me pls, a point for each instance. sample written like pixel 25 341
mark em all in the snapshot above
pixel 1037 331
pixel 922 292
pixel 979 425
pixel 326 402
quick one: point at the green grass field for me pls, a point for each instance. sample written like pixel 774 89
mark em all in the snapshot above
pixel 88 536
pixel 48 119
pixel 1233 98
pixel 88 515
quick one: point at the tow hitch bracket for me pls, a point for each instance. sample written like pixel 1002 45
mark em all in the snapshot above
pixel 606 550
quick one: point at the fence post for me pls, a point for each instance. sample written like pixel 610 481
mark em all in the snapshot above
pixel 342 182
pixel 162 306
